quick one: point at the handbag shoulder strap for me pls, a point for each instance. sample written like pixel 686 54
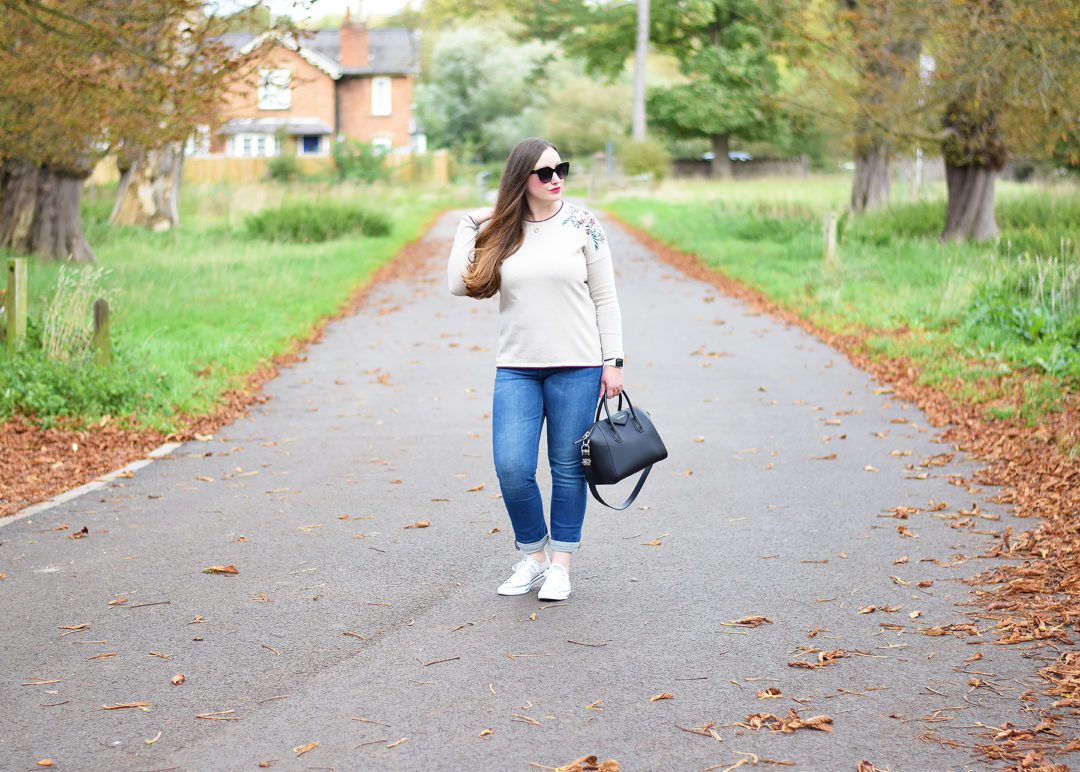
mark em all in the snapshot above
pixel 633 495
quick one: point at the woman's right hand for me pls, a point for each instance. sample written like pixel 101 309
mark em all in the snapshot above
pixel 482 214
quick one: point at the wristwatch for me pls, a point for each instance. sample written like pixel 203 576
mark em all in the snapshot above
pixel 617 362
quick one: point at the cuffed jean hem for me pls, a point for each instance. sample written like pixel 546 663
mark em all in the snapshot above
pixel 564 546
pixel 532 547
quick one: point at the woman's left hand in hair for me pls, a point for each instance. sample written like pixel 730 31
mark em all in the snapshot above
pixel 611 382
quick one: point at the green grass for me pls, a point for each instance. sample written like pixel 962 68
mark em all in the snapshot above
pixel 973 311
pixel 196 308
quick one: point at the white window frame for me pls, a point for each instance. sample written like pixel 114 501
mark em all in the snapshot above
pixel 274 90
pixel 382 142
pixel 253 146
pixel 381 89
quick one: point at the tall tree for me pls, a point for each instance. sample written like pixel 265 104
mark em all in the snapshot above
pixel 725 48
pixel 77 77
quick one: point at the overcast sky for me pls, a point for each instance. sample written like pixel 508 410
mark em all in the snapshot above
pixel 359 8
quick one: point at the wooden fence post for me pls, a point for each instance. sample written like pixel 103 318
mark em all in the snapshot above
pixel 101 331
pixel 15 301
pixel 829 245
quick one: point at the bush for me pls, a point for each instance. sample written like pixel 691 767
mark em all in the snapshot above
pixel 308 222
pixel 647 157
pixel 33 384
pixel 283 168
pixel 357 160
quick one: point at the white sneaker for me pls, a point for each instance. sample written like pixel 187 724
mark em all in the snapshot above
pixel 527 574
pixel 556 585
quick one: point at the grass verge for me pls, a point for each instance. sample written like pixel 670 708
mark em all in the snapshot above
pixel 197 308
pixel 993 324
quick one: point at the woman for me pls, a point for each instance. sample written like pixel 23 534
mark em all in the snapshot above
pixel 560 346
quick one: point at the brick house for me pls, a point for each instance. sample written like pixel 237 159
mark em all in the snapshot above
pixel 347 82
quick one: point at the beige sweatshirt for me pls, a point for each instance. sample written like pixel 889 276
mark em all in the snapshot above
pixel 557 301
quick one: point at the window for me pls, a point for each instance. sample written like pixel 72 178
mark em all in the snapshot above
pixel 382 142
pixel 311 144
pixel 274 93
pixel 380 96
pixel 251 145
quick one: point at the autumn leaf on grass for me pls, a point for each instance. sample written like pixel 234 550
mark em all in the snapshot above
pixel 228 570
pixel 300 750
pixel 750 621
pixel 663 696
pixel 417 524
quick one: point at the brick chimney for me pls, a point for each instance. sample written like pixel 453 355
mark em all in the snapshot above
pixel 354 43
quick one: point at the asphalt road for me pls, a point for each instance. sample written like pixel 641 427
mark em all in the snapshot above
pixel 785 462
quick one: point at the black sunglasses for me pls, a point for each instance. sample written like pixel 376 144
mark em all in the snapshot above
pixel 544 174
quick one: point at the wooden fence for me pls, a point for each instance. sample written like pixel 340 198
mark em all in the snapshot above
pixel 403 167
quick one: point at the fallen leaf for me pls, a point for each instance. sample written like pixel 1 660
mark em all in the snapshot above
pixel 770 693
pixel 399 742
pixel 418 524
pixel 178 679
pixel 486 733
pixel 830 457
pixel 750 621
pixel 475 488
pixel 608 765
pixel 84 531
pixel 45 763
pixel 663 696
pixel 653 543
pixel 126 705
pixel 494 530
pixel 228 570
pixel 154 740
pixel 104 656
pixel 300 750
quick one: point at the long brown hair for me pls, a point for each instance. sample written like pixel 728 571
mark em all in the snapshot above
pixel 504 233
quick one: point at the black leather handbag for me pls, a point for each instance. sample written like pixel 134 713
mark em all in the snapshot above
pixel 619 445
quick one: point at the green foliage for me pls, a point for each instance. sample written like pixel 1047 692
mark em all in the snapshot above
pixel 588 115
pixel 647 157
pixel 33 384
pixel 479 92
pixel 305 222
pixel 359 161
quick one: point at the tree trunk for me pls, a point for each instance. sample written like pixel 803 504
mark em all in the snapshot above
pixel 721 162
pixel 641 50
pixel 149 187
pixel 970 210
pixel 40 211
pixel 870 189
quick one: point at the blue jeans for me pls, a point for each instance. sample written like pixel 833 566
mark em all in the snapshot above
pixel 524 398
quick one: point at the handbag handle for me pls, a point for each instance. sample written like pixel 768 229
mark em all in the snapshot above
pixel 603 404
pixel 633 494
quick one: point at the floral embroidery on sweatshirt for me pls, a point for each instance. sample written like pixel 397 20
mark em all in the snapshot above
pixel 581 218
